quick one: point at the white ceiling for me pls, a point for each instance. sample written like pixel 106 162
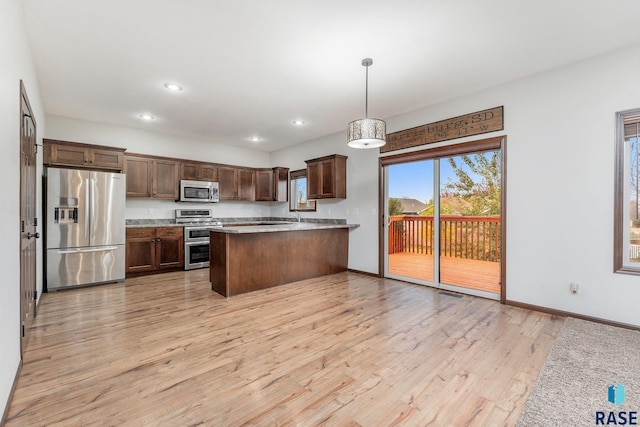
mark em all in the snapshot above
pixel 250 67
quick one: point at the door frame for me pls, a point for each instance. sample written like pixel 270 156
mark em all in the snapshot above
pixel 31 292
pixel 486 144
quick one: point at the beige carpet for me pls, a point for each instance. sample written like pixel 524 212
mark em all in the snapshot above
pixel 584 361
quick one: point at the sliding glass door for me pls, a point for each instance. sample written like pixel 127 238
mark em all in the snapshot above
pixel 410 220
pixel 444 221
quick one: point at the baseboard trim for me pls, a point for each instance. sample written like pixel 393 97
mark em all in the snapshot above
pixel 5 414
pixel 571 314
pixel 366 273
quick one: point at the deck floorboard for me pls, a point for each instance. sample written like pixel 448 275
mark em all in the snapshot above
pixel 466 273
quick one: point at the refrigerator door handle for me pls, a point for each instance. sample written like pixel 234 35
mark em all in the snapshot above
pixel 83 251
pixel 88 219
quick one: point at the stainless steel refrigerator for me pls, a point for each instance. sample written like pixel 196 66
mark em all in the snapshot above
pixel 85 228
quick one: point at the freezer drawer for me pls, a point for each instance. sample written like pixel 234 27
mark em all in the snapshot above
pixel 84 266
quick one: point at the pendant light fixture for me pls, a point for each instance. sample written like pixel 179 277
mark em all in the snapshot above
pixel 366 133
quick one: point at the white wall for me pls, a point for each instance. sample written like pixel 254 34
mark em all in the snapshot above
pixel 361 204
pixel 560 158
pixel 15 64
pixel 148 142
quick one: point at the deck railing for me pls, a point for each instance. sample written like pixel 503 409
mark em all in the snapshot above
pixel 470 237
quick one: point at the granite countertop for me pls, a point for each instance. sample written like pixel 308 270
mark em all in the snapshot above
pixel 270 228
pixel 151 223
pixel 251 224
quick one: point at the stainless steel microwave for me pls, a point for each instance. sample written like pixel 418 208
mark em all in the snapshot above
pixel 199 191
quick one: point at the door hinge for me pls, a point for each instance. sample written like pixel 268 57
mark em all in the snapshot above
pixel 35 222
pixel 22 226
pixel 23 330
pixel 35 295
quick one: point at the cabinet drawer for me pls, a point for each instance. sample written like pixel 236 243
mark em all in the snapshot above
pixel 141 232
pixel 168 231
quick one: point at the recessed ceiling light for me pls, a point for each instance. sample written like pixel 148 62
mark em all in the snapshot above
pixel 255 139
pixel 173 87
pixel 146 117
pixel 299 122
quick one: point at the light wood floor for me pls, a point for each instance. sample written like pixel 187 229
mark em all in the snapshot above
pixel 346 349
pixel 466 273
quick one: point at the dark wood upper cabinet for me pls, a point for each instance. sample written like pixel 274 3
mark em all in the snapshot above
pixel 327 177
pixel 74 154
pixel 264 185
pixel 159 177
pixel 272 185
pixel 151 177
pixel 228 182
pixel 197 171
pixel 236 183
pixel 246 184
pixel 165 179
pixel 139 176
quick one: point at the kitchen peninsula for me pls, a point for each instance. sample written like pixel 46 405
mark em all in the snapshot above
pixel 248 258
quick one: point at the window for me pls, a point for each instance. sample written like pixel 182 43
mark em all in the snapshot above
pixel 626 256
pixel 298 192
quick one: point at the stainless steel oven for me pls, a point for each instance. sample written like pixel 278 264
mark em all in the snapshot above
pixel 197 223
pixel 196 247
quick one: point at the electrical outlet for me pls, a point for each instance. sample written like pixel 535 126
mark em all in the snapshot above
pixel 574 287
pixel 355 211
pixel 347 211
pixel 328 212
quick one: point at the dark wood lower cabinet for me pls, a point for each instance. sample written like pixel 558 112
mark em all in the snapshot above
pixel 246 262
pixel 151 250
pixel 169 247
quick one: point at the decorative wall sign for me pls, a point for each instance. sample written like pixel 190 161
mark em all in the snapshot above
pixel 458 127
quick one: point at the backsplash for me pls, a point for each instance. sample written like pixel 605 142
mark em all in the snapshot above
pixel 165 209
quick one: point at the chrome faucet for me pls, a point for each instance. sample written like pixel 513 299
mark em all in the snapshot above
pixel 297 216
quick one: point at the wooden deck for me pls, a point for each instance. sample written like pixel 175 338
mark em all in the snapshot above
pixel 466 273
pixel 346 349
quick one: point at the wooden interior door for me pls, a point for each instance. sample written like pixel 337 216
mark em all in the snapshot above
pixel 28 220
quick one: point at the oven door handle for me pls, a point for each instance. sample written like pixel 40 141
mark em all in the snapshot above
pixel 196 242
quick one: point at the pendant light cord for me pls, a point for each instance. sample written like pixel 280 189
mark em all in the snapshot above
pixel 366 93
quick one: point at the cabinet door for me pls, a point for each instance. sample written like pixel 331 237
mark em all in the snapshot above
pixel 169 247
pixel 198 171
pixel 138 170
pixel 189 171
pixel 65 155
pixel 140 250
pixel 328 178
pixel 106 159
pixel 247 186
pixel 264 185
pixel 228 181
pixel 314 180
pixel 165 179
pixel 208 173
